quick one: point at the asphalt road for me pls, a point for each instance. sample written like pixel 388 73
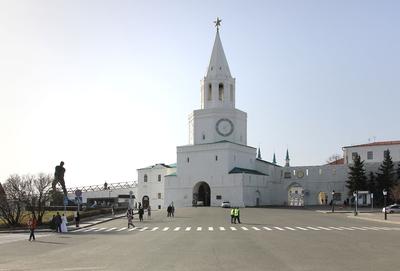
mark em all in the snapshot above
pixel 202 239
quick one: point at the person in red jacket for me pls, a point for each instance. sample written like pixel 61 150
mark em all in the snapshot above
pixel 32 227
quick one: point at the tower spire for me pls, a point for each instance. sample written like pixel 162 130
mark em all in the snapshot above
pixel 287 164
pixel 274 159
pixel 218 67
pixel 259 154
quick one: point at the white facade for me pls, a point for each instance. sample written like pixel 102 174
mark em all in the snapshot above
pixel 373 152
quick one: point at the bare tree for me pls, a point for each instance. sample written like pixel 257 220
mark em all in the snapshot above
pixel 40 195
pixel 333 158
pixel 13 202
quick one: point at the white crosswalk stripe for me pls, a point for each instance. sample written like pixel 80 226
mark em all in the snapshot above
pixel 100 229
pixel 154 229
pixel 255 228
pixel 301 228
pixel 78 230
pixel 134 228
pixel 121 229
pixel 188 228
pixel 268 229
pixel 324 228
pixel 90 229
pixel 313 228
pixel 198 229
pixel 143 229
pixel 289 228
pixel 111 229
pixel 177 228
pixel 165 229
pixel 346 228
pixel 221 228
pixel 278 228
pixel 245 229
pixel 210 229
pixel 233 229
pixel 336 228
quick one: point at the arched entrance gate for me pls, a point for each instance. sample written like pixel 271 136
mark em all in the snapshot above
pixel 201 194
pixel 145 202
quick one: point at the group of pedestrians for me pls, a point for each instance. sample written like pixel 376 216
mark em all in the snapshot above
pixel 235 215
pixel 171 210
pixel 129 215
pixel 59 223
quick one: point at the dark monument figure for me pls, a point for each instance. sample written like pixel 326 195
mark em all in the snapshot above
pixel 59 178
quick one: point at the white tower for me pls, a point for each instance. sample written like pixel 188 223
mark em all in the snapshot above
pixel 218 119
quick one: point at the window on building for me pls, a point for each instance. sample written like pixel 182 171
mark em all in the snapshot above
pixel 307 172
pixel 370 155
pixel 287 175
pixel 159 195
pixel 320 171
pixel 187 159
pixel 159 177
pixel 209 96
pixel 145 178
pixel 353 155
pixel 216 158
pixel 221 92
pixel 204 136
pixel 231 93
pixel 218 197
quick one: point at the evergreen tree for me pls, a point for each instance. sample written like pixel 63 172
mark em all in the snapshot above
pixel 386 178
pixel 357 180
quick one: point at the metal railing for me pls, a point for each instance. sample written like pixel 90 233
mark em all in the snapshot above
pixel 112 186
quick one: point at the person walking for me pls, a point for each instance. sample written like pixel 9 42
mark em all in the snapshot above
pixel 169 211
pixel 141 212
pixel 32 227
pixel 237 215
pixel 233 215
pixel 58 222
pixel 130 218
pixel 172 210
pixel 149 212
pixel 77 219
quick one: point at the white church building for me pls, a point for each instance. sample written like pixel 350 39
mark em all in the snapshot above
pixel 217 165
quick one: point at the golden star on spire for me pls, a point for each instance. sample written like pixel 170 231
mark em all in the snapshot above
pixel 218 23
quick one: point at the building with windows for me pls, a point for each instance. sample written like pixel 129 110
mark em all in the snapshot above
pixel 217 164
pixel 372 152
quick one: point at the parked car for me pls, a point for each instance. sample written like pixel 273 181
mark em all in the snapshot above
pixel 226 204
pixel 394 208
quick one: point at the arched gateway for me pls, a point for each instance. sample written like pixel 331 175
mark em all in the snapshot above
pixel 201 194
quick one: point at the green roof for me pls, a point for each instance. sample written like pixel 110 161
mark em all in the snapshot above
pixel 172 174
pixel 245 170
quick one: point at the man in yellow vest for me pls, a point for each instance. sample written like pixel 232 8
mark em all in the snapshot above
pixel 232 215
pixel 236 214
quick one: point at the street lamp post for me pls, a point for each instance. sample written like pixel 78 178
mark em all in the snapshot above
pixel 384 202
pixel 333 201
pixel 355 194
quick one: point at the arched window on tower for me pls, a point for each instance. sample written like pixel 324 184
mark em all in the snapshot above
pixel 221 92
pixel 209 92
pixel 145 178
pixel 231 93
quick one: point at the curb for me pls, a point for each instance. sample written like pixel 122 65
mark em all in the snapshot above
pixel 375 220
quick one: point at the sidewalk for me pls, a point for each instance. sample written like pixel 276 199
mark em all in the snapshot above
pixel 378 217
pixel 71 224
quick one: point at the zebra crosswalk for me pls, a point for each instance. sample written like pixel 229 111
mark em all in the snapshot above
pixel 250 228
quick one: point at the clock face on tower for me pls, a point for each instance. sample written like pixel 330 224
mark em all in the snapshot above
pixel 224 127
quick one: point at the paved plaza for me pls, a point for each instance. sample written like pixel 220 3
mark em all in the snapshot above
pixel 204 239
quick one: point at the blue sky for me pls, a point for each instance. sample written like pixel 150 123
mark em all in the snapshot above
pixel 107 86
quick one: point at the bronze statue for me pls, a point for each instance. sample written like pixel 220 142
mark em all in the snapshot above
pixel 59 178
